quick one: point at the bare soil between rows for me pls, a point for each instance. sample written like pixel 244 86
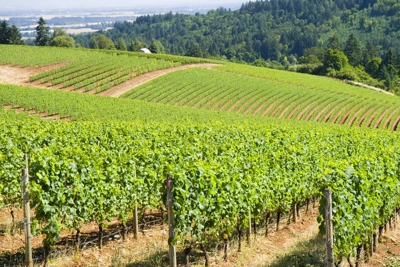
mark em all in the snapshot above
pixel 295 244
pixel 20 76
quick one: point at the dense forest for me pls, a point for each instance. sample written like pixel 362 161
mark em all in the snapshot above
pixel 268 29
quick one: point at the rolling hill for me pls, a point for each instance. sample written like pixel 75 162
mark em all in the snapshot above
pixel 222 87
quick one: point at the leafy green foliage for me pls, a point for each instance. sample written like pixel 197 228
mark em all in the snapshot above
pixel 63 41
pixel 101 42
pixel 157 47
pixel 94 171
pixel 335 59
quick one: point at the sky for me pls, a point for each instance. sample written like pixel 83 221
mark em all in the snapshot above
pixel 45 4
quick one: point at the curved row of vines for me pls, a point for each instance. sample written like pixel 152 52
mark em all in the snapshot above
pixel 288 96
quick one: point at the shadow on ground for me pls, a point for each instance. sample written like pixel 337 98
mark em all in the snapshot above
pixel 310 253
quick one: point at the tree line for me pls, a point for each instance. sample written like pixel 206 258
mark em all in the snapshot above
pixel 352 61
pixel 10 34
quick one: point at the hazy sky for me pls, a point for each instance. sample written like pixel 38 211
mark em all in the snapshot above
pixel 116 3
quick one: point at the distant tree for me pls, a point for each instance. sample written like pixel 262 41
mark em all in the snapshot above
pixel 388 75
pixel 313 55
pixel 270 48
pixel 373 67
pixel 334 43
pixel 369 53
pixel 63 41
pixel 398 61
pixel 15 36
pixel 353 50
pixel 121 45
pixel 101 42
pixel 309 59
pixel 42 33
pixel 390 58
pixel 94 44
pixel 4 33
pixel 157 47
pixel 59 32
pixel 316 51
pixel 135 45
pixel 335 59
pixel 194 50
pixel 230 53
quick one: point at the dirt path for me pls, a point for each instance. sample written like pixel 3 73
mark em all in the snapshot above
pixel 369 87
pixel 144 78
pixel 20 76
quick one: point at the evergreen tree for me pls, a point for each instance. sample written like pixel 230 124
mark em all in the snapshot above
pixel 353 50
pixel 121 45
pixel 382 71
pixel 136 45
pixel 334 43
pixel 15 36
pixel 157 47
pixel 270 48
pixel 42 33
pixel 4 33
pixel 194 50
pixel 390 58
pixel 373 67
pixel 369 53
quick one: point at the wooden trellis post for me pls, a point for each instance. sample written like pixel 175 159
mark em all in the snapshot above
pixel 27 214
pixel 171 223
pixel 329 228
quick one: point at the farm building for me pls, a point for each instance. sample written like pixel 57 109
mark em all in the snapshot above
pixel 144 50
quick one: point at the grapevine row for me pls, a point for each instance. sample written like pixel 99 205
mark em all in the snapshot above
pixel 87 171
pixel 222 91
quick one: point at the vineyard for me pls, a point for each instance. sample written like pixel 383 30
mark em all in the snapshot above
pixel 229 169
pixel 232 88
pixel 271 93
pixel 222 173
pixel 87 70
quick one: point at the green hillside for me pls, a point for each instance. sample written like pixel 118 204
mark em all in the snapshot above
pixel 264 92
pixel 227 88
